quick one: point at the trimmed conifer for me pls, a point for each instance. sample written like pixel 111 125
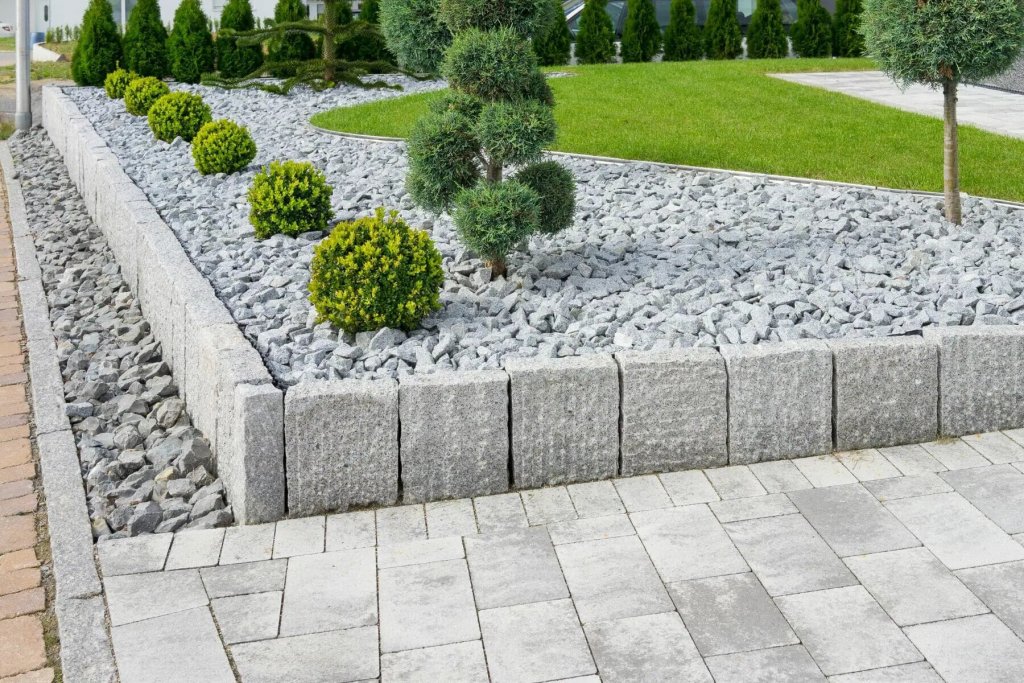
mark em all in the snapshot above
pixel 98 51
pixel 641 36
pixel 766 36
pixel 369 11
pixel 595 41
pixel 234 60
pixel 145 41
pixel 682 35
pixel 812 31
pixel 190 44
pixel 553 41
pixel 291 47
pixel 722 36
pixel 847 40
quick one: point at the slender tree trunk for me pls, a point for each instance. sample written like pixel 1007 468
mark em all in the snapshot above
pixel 499 268
pixel 330 26
pixel 493 172
pixel 951 154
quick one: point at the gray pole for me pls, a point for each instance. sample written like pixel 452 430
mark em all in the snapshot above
pixel 23 106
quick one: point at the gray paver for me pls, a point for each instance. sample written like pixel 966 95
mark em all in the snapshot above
pixel 642 493
pixel 542 641
pixel 845 630
pixel 739 509
pixel 133 555
pixel 420 552
pixel 351 530
pixel 512 568
pixel 239 579
pixel 595 499
pixel 824 470
pixel 244 618
pixel 735 482
pixel 996 447
pixel 733 613
pixel 971 649
pixel 544 506
pixel 867 464
pixel 135 597
pixel 687 543
pixel 590 529
pixel 450 518
pixel 907 487
pixel 152 651
pixel 330 591
pixel 688 488
pixel 336 656
pixel 779 476
pixel 503 511
pixel 955 454
pixel 455 663
pixel 247 544
pixel 195 548
pixel 918 672
pixel 653 647
pixel 791 663
pixel 1001 587
pixel 401 524
pixel 911 460
pixel 413 598
pixel 303 536
pixel 998 491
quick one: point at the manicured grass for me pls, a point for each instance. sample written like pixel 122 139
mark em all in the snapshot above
pixel 41 71
pixel 7 44
pixel 731 115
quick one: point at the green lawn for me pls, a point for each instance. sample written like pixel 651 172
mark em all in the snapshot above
pixel 731 115
pixel 7 44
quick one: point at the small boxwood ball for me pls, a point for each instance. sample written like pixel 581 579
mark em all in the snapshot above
pixel 222 146
pixel 178 115
pixel 492 218
pixel 289 198
pixel 117 81
pixel 142 93
pixel 376 272
pixel 557 189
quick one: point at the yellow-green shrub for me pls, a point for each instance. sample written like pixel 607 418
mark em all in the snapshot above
pixel 222 146
pixel 117 81
pixel 289 197
pixel 141 93
pixel 178 115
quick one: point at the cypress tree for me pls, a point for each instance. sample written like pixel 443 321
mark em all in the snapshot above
pixel 766 36
pixel 369 11
pixel 641 36
pixel 145 41
pixel 847 40
pixel 190 44
pixel 291 47
pixel 682 35
pixel 595 41
pixel 98 51
pixel 812 32
pixel 234 60
pixel 553 41
pixel 722 36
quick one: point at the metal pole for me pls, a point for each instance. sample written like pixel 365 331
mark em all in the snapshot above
pixel 22 73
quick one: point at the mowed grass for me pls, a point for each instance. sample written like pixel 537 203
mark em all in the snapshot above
pixel 732 115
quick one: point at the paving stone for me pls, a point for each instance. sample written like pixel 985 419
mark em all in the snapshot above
pixel 642 493
pixel 412 598
pixel 738 509
pixel 195 548
pixel 646 648
pixel 851 520
pixel 245 578
pixel 867 464
pixel 918 672
pixel 330 591
pixel 955 531
pixel 243 618
pixel 779 476
pixel 735 482
pixel 252 543
pixel 996 447
pixel 912 460
pixel 22 602
pixel 788 555
pixel 336 656
pixel 450 518
pixel 401 524
pixel 688 488
pixel 595 499
pixel 544 506
pixel 135 597
pixel 824 470
pixel 503 511
pixel 791 663
pixel 1001 587
pixel 542 641
pixel 21 645
pixel 732 613
pixel 351 530
pixel 845 630
pixel 419 552
pixel 955 454
pixel 997 490
pixel 514 567
pixel 133 555
pixel 972 649
pixel 303 536
pixel 907 487
pixel 590 529
pixel 611 579
pixel 155 649
pixel 456 663
pixel 687 543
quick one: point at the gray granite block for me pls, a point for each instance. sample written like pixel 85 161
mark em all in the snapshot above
pixel 337 656
pixel 654 647
pixel 47 387
pixel 565 419
pixel 673 410
pixel 514 567
pixel 341 442
pixel 154 649
pixel 252 466
pixel 780 400
pixel 454 434
pixel 85 653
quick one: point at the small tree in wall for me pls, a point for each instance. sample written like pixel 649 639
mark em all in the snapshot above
pixel 552 41
pixel 190 44
pixel 98 51
pixel 682 35
pixel 235 60
pixel 847 40
pixel 940 43
pixel 595 40
pixel 290 47
pixel 145 41
pixel 641 36
pixel 812 31
pixel 766 36
pixel 722 36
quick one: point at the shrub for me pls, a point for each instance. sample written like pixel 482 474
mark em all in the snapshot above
pixel 222 146
pixel 414 33
pixel 145 41
pixel 142 92
pixel 595 40
pixel 234 60
pixel 289 198
pixel 722 36
pixel 812 31
pixel 557 190
pixel 369 11
pixel 491 65
pixel 117 81
pixel 366 45
pixel 552 42
pixel 190 45
pixel 682 35
pixel 641 36
pixel 443 153
pixel 98 51
pixel 178 115
pixel 847 40
pixel 766 36
pixel 375 272
pixel 493 218
pixel 292 47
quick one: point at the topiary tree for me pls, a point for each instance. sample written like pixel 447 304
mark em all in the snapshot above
pixel 291 47
pixel 766 36
pixel 682 35
pixel 415 34
pixel 190 44
pixel 234 60
pixel 98 51
pixel 369 11
pixel 812 31
pixel 722 36
pixel 552 40
pixel 595 40
pixel 847 40
pixel 641 36
pixel 941 43
pixel 145 41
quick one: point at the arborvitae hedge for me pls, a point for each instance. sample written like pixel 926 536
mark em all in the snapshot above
pixel 145 41
pixel 812 32
pixel 190 44
pixel 595 41
pixel 369 11
pixel 553 42
pixel 294 46
pixel 722 36
pixel 641 36
pixel 766 36
pixel 233 60
pixel 682 35
pixel 98 51
pixel 847 40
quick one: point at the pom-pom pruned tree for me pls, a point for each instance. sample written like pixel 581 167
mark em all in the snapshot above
pixel 595 40
pixel 145 41
pixel 766 36
pixel 722 36
pixel 682 35
pixel 98 51
pixel 641 36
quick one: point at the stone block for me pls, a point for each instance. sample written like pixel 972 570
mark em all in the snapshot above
pixel 454 434
pixel 341 445
pixel 981 378
pixel 47 387
pixel 780 400
pixel 35 309
pixel 253 467
pixel 25 257
pixel 204 346
pixel 85 653
pixel 235 365
pixel 673 410
pixel 565 419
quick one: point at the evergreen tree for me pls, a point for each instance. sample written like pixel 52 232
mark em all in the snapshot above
pixel 766 36
pixel 682 35
pixel 145 41
pixel 369 11
pixel 847 40
pixel 641 36
pixel 98 51
pixel 190 44
pixel 722 36
pixel 234 60
pixel 553 41
pixel 595 40
pixel 290 47
pixel 414 33
pixel 812 32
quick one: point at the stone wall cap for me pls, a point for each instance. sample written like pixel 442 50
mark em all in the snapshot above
pixel 731 351
pixel 384 386
pixel 595 361
pixel 486 376
pixel 691 354
pixel 868 342
pixel 973 331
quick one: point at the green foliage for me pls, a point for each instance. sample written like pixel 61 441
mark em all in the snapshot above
pixel 414 34
pixel 290 47
pixel 493 218
pixel 117 81
pixel 178 115
pixel 375 272
pixel 520 16
pixel 491 65
pixel 145 41
pixel 234 60
pixel 289 198
pixel 443 157
pixel 641 36
pixel 369 11
pixel 847 40
pixel 141 93
pixel 98 51
pixel 190 43
pixel 682 35
pixel 515 132
pixel 595 40
pixel 557 190
pixel 722 36
pixel 367 45
pixel 812 31
pixel 552 40
pixel 222 146
pixel 766 36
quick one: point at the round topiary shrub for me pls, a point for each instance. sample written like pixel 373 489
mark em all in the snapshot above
pixel 289 198
pixel 142 93
pixel 222 146
pixel 492 218
pixel 375 272
pixel 178 115
pixel 117 81
pixel 557 189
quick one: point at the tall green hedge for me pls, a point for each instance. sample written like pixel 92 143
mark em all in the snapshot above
pixel 414 33
pixel 847 40
pixel 552 41
pixel 234 60
pixel 98 51
pixel 190 43
pixel 812 32
pixel 293 46
pixel 369 11
pixel 641 36
pixel 722 36
pixel 766 36
pixel 683 40
pixel 145 41
pixel 595 40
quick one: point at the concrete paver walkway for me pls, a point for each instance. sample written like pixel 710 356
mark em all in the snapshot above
pixel 892 564
pixel 993 110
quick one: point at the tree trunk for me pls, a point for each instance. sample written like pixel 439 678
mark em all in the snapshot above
pixel 330 26
pixel 951 153
pixel 493 172
pixel 498 267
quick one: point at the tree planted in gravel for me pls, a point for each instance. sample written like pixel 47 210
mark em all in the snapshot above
pixel 940 43
pixel 682 35
pixel 190 44
pixel 641 36
pixel 812 30
pixel 722 36
pixel 847 40
pixel 291 47
pixel 235 60
pixel 98 51
pixel 766 36
pixel 595 39
pixel 145 41
pixel 552 41
pixel 415 34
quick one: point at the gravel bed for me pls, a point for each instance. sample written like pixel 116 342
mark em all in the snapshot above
pixel 657 257
pixel 146 469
